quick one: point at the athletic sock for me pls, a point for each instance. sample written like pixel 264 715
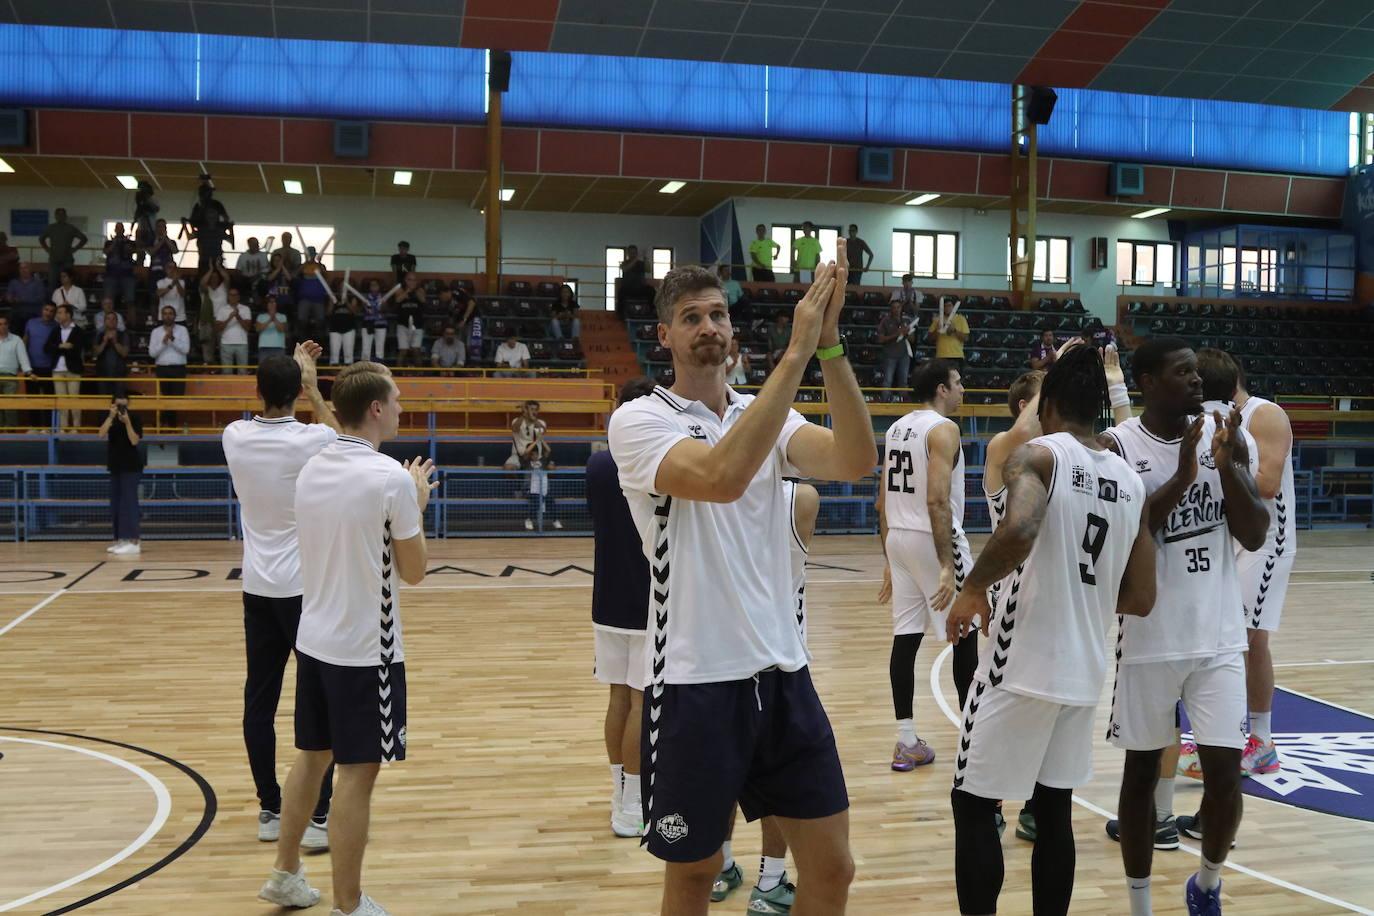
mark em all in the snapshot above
pixel 729 858
pixel 617 782
pixel 1139 889
pixel 1209 875
pixel 629 800
pixel 1164 799
pixel 1260 725
pixel 906 731
pixel 770 872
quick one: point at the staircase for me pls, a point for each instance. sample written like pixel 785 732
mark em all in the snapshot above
pixel 606 347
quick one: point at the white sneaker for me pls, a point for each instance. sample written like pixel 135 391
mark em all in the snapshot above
pixel 289 890
pixel 115 546
pixel 529 524
pixel 557 524
pixel 366 907
pixel 316 836
pixel 269 826
pixel 626 824
pixel 127 549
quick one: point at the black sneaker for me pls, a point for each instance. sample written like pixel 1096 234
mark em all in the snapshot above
pixel 1166 833
pixel 1190 825
pixel 1025 826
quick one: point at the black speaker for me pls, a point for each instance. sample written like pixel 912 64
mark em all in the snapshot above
pixel 1040 104
pixel 1099 253
pixel 500 70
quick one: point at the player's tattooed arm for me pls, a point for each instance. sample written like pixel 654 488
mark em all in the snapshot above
pixel 1246 516
pixel 1027 474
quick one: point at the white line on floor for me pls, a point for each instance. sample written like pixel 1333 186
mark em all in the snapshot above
pixel 1326 661
pixel 939 695
pixel 31 611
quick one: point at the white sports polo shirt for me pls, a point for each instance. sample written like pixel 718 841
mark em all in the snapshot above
pixel 264 458
pixel 722 602
pixel 352 504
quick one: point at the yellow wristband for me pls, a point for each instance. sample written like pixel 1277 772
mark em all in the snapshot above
pixel 834 352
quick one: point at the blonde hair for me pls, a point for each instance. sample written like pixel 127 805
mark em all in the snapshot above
pixel 356 387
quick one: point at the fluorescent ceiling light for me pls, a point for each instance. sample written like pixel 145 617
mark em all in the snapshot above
pixel 402 178
pixel 1149 213
pixel 672 187
pixel 130 182
pixel 923 199
pixel 5 167
pixel 507 194
pixel 292 187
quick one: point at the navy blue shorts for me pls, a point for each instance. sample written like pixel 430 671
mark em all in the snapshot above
pixel 358 713
pixel 764 742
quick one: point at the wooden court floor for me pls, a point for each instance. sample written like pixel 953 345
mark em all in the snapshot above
pixel 129 675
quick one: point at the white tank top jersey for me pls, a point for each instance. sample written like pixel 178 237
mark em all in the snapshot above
pixel 1282 538
pixel 798 554
pixel 997 507
pixel 1049 636
pixel 1197 611
pixel 265 457
pixel 905 459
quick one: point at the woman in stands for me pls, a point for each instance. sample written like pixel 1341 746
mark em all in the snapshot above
pixel 374 317
pixel 736 365
pixel 565 312
pixel 343 328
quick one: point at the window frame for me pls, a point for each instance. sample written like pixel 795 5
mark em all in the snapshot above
pixel 1042 264
pixel 653 261
pixel 1156 247
pixel 782 263
pixel 935 236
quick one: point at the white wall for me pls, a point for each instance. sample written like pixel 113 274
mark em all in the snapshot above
pixel 448 236
pixel 982 239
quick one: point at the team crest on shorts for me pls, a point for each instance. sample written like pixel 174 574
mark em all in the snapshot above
pixel 671 827
pixel 401 736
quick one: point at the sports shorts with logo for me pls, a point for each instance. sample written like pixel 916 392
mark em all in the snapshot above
pixel 1212 690
pixel 1263 586
pixel 916 579
pixel 764 741
pixel 1008 742
pixel 358 713
pixel 620 657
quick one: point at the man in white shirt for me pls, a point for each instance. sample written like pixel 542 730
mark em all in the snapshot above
pixel 1074 550
pixel 350 658
pixel 703 469
pixel 171 291
pixel 265 454
pixel 232 322
pixel 512 354
pixel 14 362
pixel 168 345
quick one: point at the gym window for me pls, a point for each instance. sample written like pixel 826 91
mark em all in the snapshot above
pixel 1052 258
pixel 1141 263
pixel 925 255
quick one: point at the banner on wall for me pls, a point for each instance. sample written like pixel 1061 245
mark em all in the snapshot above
pixel 1359 219
pixel 720 242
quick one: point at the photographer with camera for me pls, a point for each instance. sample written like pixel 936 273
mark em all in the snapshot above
pixel 123 432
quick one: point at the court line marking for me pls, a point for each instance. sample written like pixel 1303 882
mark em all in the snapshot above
pixel 46 601
pixel 935 688
pixel 1325 661
pixel 164 808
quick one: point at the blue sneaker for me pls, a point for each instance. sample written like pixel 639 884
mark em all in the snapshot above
pixel 1200 902
pixel 728 879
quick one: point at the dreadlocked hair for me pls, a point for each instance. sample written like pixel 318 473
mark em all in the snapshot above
pixel 1077 385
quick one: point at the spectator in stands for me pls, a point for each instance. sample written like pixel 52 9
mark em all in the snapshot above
pixel 66 348
pixel 169 345
pixel 61 240
pixel 111 351
pixel 762 251
pixel 107 307
pixel 120 255
pixel 410 323
pixel 252 269
pixel 806 254
pixel 26 295
pixel 233 321
pixel 468 304
pixel 14 364
pixel 68 293
pixel 343 330
pixel 736 365
pixel 908 295
pixel 514 355
pixel 1099 336
pixel 280 282
pixel 272 330
pixel 36 333
pixel 448 352
pixel 312 292
pixel 162 252
pixel 565 322
pixel 214 299
pixel 1043 354
pixel 735 299
pixel 374 317
pixel 9 260
pixel 633 278
pixel 402 262
pixel 171 291
pixel 290 257
pixel 123 432
pixel 779 335
pixel 948 331
pixel 860 256
pixel 448 305
pixel 894 335
pixel 530 451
